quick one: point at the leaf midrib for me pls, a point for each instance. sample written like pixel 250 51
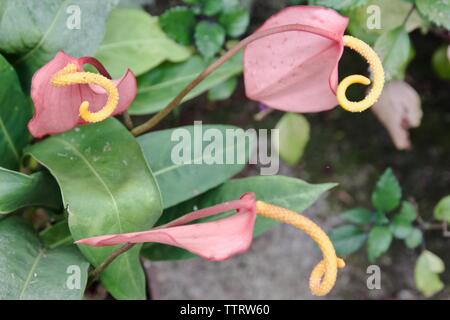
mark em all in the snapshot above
pixel 127 43
pixel 30 274
pixel 9 139
pixel 97 175
pixel 44 37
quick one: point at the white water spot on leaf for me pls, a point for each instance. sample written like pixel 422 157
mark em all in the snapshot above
pixel 107 147
pixel 399 109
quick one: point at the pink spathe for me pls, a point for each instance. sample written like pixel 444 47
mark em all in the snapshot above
pixel 296 71
pixel 214 240
pixel 57 108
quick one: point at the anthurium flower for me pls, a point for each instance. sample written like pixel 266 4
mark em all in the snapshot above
pixel 293 65
pixel 223 238
pixel 64 95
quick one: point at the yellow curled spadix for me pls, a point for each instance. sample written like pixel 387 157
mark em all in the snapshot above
pixel 69 75
pixel 323 276
pixel 376 68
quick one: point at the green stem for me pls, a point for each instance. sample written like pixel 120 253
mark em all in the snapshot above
pixel 215 65
pixel 408 15
pixel 94 274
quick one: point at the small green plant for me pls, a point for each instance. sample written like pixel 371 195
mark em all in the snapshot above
pixel 391 218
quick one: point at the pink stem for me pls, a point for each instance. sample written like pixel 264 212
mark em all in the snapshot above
pixel 95 63
pixel 211 68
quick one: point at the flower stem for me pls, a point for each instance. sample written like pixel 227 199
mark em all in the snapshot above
pixel 215 65
pixel 94 274
pixel 408 15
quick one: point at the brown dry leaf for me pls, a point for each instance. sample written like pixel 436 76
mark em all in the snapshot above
pixel 399 109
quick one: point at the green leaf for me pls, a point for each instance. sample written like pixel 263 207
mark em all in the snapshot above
pixel 223 90
pixel 209 38
pixel 107 188
pixel 338 4
pixel 134 40
pixel 134 3
pixel 407 212
pixel 394 49
pixel 179 24
pixel 15 111
pixel 286 192
pixel 347 239
pixel 30 272
pixel 57 235
pixel 441 62
pixel 159 86
pixel 442 209
pixel 358 216
pixel 414 239
pixel 211 7
pixel 437 11
pixel 34 31
pixel 380 218
pixel 390 15
pixel 201 171
pixel 294 136
pixel 426 273
pixel 235 21
pixel 379 241
pixel 387 193
pixel 18 190
pixel 400 227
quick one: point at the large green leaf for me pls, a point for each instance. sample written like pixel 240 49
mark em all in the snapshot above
pixel 15 111
pixel 34 31
pixel 134 40
pixel 180 181
pixel 107 188
pixel 18 190
pixel 159 86
pixel 30 272
pixel 286 192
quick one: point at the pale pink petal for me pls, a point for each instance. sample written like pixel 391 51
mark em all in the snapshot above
pixel 296 71
pixel 57 108
pixel 215 240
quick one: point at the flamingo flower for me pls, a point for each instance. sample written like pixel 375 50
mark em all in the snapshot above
pixel 291 62
pixel 223 238
pixel 63 95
